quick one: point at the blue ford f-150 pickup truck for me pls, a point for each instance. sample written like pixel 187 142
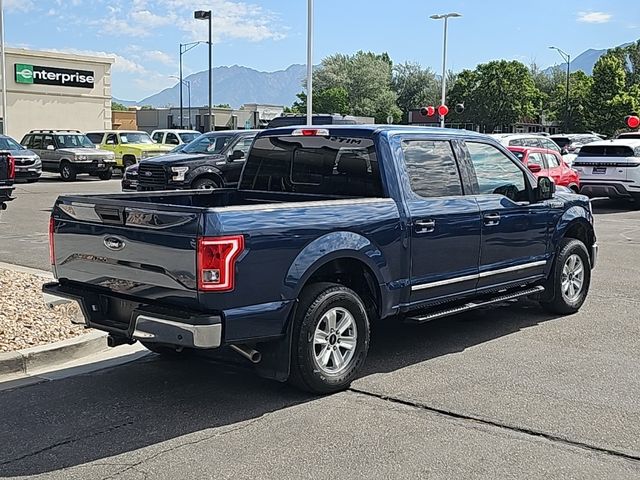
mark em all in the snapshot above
pixel 330 229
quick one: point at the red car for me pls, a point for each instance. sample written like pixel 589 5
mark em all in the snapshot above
pixel 548 163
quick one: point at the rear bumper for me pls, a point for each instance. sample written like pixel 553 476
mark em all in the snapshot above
pixel 608 189
pixel 126 318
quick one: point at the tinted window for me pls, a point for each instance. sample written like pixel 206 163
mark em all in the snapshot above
pixel 561 141
pixel 535 158
pixel 95 138
pixel 340 166
pixel 432 168
pixel 497 173
pixel 208 144
pixel 188 136
pixel 36 142
pixel 157 137
pixel 518 155
pixel 244 144
pixel 516 143
pixel 531 142
pixel 47 140
pixel 549 145
pixel 552 160
pixel 172 139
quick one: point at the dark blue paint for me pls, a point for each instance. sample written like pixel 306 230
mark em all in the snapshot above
pixel 287 241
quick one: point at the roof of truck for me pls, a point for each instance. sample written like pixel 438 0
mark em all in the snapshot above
pixel 451 132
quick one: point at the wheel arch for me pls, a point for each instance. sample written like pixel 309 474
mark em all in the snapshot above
pixel 576 223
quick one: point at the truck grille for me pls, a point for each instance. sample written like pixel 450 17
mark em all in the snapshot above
pixel 151 175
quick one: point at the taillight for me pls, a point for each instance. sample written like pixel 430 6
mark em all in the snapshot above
pixel 12 167
pixel 52 252
pixel 217 262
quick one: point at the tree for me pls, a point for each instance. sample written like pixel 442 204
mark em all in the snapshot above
pixel 118 106
pixel 548 82
pixel 415 87
pixel 609 100
pixel 580 85
pixel 329 100
pixel 366 79
pixel 496 93
pixel 222 105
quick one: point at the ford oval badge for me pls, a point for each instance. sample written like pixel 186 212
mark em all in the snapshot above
pixel 113 243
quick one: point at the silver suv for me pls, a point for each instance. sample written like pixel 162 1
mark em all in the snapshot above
pixel 69 152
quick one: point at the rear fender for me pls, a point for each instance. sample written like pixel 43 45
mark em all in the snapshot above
pixel 332 246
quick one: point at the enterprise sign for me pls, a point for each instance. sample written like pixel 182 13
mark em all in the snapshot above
pixel 62 77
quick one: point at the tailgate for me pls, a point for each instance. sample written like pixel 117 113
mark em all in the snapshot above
pixel 144 250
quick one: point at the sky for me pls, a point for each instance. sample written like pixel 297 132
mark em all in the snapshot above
pixel 144 35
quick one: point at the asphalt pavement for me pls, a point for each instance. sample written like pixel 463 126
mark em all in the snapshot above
pixel 511 392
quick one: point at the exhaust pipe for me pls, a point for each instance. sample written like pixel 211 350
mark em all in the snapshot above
pixel 247 352
pixel 116 341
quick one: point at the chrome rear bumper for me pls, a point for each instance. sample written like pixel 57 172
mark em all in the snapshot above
pixel 160 330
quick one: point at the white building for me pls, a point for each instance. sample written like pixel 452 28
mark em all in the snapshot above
pixel 47 90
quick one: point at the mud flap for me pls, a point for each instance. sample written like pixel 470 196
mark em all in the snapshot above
pixel 276 355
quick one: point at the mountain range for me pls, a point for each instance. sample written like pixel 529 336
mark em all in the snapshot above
pixel 237 85
pixel 234 85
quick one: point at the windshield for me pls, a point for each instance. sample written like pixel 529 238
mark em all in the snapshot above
pixel 135 137
pixel 74 140
pixel 7 143
pixel 561 141
pixel 629 135
pixel 189 137
pixel 208 144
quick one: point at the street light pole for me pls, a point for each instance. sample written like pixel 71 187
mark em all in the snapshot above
pixel 184 48
pixel 567 58
pixel 188 84
pixel 3 70
pixel 446 17
pixel 206 15
pixel 310 62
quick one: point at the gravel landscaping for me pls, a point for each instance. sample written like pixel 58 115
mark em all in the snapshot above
pixel 25 321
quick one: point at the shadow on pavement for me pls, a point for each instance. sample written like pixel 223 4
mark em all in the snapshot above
pixel 77 420
pixel 609 205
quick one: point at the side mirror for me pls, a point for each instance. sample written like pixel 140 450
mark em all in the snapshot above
pixel 545 190
pixel 236 155
pixel 564 151
pixel 50 147
pixel 534 168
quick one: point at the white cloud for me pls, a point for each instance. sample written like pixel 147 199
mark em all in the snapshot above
pixel 594 17
pixel 19 5
pixel 159 57
pixel 122 64
pixel 147 19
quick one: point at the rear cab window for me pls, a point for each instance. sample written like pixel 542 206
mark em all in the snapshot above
pixel 336 165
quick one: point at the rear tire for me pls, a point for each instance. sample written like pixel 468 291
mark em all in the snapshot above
pixel 570 278
pixel 68 172
pixel 204 184
pixel 330 338
pixel 106 175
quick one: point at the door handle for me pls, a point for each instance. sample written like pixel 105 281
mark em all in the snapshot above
pixel 491 219
pixel 425 226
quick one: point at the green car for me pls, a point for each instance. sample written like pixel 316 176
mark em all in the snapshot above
pixel 129 146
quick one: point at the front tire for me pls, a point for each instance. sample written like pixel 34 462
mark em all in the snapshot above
pixel 204 184
pixel 68 172
pixel 570 278
pixel 106 175
pixel 330 338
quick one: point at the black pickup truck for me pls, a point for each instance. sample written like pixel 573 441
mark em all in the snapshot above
pixel 212 160
pixel 7 177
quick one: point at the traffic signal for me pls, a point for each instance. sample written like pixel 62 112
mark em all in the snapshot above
pixel 443 110
pixel 459 108
pixel 427 111
pixel 632 121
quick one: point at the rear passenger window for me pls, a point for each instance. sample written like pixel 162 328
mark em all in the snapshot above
pixel 340 166
pixel 532 142
pixel 552 160
pixel 535 158
pixel 432 168
pixel 549 145
pixel 96 138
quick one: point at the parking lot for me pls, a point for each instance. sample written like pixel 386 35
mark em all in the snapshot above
pixel 505 393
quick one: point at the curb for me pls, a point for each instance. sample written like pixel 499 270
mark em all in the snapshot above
pixel 21 269
pixel 29 359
